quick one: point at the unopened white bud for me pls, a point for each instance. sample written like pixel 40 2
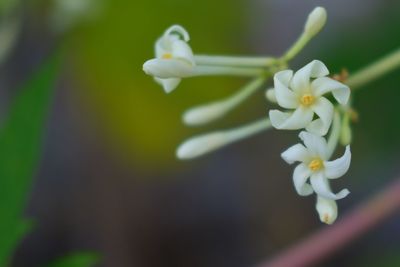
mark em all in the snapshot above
pixel 327 210
pixel 200 145
pixel 345 133
pixel 270 95
pixel 205 114
pixel 315 21
pixel 165 69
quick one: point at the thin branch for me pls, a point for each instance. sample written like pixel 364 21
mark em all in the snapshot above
pixel 331 239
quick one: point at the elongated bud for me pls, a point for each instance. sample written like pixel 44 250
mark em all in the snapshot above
pixel 270 95
pixel 315 21
pixel 205 114
pixel 165 69
pixel 327 210
pixel 345 133
pixel 200 145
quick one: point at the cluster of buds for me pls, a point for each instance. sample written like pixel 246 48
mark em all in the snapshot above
pixel 313 103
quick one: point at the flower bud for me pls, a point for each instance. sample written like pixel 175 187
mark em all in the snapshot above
pixel 315 21
pixel 345 133
pixel 270 95
pixel 200 145
pixel 167 68
pixel 327 210
pixel 205 114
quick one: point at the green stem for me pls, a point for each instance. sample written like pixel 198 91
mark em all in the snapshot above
pixel 296 47
pixel 375 70
pixel 236 61
pixel 212 111
pixel 248 130
pixel 226 70
pixel 335 134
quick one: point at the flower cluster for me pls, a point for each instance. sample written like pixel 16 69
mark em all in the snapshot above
pixel 312 101
pixel 304 95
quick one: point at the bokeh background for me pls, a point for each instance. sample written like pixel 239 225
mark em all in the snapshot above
pixel 108 180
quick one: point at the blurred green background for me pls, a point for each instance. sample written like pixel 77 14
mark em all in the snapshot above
pixel 107 179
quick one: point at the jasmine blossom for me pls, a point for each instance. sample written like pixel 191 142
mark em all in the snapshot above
pixel 303 92
pixel 316 167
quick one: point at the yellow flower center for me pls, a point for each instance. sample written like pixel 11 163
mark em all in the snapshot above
pixel 316 164
pixel 167 56
pixel 307 99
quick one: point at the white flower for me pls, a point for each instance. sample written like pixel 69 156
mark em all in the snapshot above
pixel 315 165
pixel 327 210
pixel 305 96
pixel 174 58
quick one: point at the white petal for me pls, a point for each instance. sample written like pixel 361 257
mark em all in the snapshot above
pixel 300 176
pixel 323 85
pixel 284 77
pixel 298 119
pixel 324 109
pixel 167 68
pixel 337 168
pixel 285 97
pixel 315 144
pixel 178 29
pixel 168 84
pixel 301 79
pixel 296 153
pixel 182 50
pixel 163 46
pixel 327 210
pixel 321 187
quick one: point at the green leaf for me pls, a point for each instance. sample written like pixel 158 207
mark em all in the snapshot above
pixel 20 150
pixel 76 260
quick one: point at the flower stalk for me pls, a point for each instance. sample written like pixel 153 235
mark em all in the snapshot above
pixel 212 111
pixel 235 61
pixel 375 70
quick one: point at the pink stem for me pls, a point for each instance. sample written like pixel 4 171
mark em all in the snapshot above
pixel 330 239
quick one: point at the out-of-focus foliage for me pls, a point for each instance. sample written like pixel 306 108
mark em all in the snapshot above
pixel 10 26
pixel 67 14
pixel 76 260
pixel 20 142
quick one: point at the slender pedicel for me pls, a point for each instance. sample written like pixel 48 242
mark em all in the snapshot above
pixel 375 70
pixel 225 70
pixel 314 24
pixel 334 134
pixel 234 61
pixel 212 111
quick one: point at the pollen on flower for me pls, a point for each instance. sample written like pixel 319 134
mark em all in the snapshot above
pixel 307 100
pixel 325 218
pixel 315 165
pixel 167 56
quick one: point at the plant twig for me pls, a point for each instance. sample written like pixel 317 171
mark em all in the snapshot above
pixel 331 239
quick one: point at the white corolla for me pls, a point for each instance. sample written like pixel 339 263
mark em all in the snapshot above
pixel 174 58
pixel 316 167
pixel 327 210
pixel 302 93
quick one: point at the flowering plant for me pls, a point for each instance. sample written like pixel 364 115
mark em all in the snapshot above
pixel 305 96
